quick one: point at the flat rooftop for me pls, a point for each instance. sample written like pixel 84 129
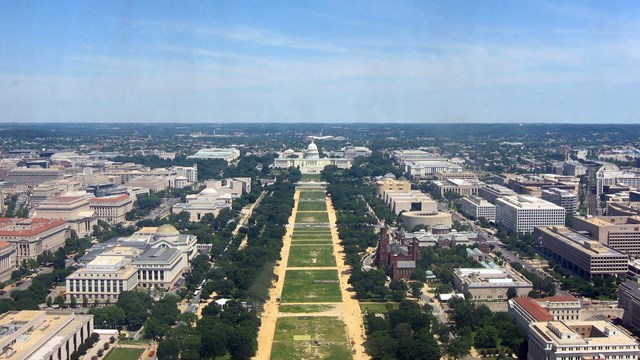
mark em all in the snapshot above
pixel 590 333
pixel 528 202
pixel 579 242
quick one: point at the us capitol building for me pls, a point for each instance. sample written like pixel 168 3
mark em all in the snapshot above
pixel 308 161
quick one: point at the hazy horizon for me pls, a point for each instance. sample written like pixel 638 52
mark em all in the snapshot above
pixel 369 62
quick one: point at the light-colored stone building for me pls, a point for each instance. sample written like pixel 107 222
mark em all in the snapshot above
pixel 619 232
pixel 31 237
pixel 8 262
pixel 477 207
pixel 72 207
pixel 520 214
pixel 487 284
pixel 310 161
pixel 102 279
pixel 391 184
pixel 111 209
pixel 40 335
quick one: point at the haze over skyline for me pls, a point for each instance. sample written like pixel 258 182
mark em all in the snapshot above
pixel 370 61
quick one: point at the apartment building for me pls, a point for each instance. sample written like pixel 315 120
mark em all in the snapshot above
pixel 579 253
pixel 619 232
pixel 477 207
pixel 487 284
pixel 42 335
pixel 520 214
pixel 564 198
pixel 112 208
pixel 33 236
pixel 576 340
pixel 102 279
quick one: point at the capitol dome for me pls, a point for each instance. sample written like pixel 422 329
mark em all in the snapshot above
pixel 312 151
pixel 166 230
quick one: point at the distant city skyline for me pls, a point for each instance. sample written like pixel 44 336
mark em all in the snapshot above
pixel 315 62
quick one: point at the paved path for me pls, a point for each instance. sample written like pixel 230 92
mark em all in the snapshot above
pixel 269 314
pixel 351 312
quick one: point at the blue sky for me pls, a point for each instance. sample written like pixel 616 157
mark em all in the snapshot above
pixel 320 61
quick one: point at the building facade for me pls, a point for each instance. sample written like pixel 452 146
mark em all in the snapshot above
pixel 102 279
pixel 577 340
pixel 564 198
pixel 8 260
pixel 619 232
pixel 491 192
pixel 111 209
pixel 520 214
pixel 477 207
pixel 580 253
pixel 32 237
pixel 73 208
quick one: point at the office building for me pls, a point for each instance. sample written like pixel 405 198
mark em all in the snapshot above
pixel 619 232
pixel 111 209
pixel 520 214
pixel 189 172
pixel 207 201
pixel 477 207
pixel 42 335
pixel 486 284
pixel 466 175
pixel 564 198
pixel 578 340
pixel 491 192
pixel 102 279
pixel 32 177
pixel 8 260
pixel 227 154
pixel 72 207
pixel 611 175
pixel 33 236
pixel 629 300
pixel 579 253
pixel 351 152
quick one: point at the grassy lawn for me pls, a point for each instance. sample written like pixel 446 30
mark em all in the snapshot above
pixel 312 206
pixel 310 338
pixel 312 217
pixel 311 242
pixel 124 354
pixel 311 231
pixel 296 309
pixel 311 255
pixel 310 177
pixel 378 308
pixel 312 195
pixel 311 286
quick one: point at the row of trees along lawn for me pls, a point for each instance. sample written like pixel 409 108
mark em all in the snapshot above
pixel 542 286
pixel 489 332
pixel 404 334
pixel 242 275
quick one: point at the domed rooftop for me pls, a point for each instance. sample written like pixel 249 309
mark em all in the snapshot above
pixel 389 176
pixel 166 230
pixel 209 191
pixel 312 151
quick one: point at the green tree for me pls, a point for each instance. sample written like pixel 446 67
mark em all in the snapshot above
pixel 59 300
pixel 49 301
pixel 512 292
pixel 169 349
pixel 487 337
pixel 136 305
pixel 85 301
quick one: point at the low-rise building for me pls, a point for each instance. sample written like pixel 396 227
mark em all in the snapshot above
pixel 208 201
pixel 619 232
pixel 40 335
pixel 490 284
pixel 629 300
pixel 113 208
pixel 33 176
pixel 520 214
pixel 102 279
pixel 597 340
pixel 32 237
pixel 564 198
pixel 477 207
pixel 227 154
pixel 413 200
pixel 526 310
pixel 579 253
pixel 160 267
pixel 351 152
pixel 8 262
pixel 462 187
pixel 397 257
